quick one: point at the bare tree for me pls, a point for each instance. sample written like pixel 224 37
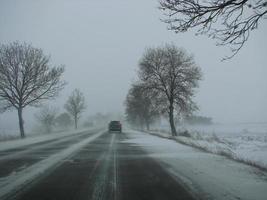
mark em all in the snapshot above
pixel 63 120
pixel 228 21
pixel 140 109
pixel 26 78
pixel 75 105
pixel 47 117
pixel 169 75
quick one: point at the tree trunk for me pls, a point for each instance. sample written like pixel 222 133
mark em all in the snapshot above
pixel 147 126
pixel 171 120
pixel 141 124
pixel 76 122
pixel 21 123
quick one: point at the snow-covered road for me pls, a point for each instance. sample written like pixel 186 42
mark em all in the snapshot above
pixel 132 165
pixel 107 168
pixel 20 165
pixel 37 139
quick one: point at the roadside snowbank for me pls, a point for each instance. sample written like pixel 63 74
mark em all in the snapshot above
pixel 245 146
pixel 208 176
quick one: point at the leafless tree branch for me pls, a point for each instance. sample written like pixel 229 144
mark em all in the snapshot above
pixel 228 21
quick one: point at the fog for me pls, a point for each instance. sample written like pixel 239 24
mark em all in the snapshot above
pixel 101 42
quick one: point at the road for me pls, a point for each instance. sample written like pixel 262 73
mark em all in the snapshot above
pixel 16 159
pixel 107 168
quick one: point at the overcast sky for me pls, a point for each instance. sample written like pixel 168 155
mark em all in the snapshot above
pixel 100 42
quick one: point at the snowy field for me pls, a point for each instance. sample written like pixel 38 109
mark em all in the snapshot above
pixel 206 175
pixel 244 142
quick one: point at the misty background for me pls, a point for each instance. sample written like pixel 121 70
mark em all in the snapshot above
pixel 101 42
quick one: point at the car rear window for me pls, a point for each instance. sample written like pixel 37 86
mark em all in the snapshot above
pixel 114 122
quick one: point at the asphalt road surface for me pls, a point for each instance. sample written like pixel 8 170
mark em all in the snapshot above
pixel 17 159
pixel 105 169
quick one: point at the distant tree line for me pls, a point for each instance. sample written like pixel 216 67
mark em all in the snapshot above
pixel 198 120
pixel 168 77
pixel 49 117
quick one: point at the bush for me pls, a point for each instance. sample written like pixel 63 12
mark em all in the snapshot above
pixel 185 134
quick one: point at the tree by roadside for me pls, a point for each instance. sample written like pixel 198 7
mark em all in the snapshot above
pixel 228 21
pixel 140 109
pixel 63 120
pixel 26 78
pixel 75 105
pixel 47 118
pixel 198 120
pixel 169 76
pixel 88 124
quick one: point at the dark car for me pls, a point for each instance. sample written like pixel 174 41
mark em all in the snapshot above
pixel 114 126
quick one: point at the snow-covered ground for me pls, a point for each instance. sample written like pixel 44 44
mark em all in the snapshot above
pixel 207 175
pixel 247 142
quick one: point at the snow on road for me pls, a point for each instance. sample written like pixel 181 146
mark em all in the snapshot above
pixel 207 175
pixel 15 181
pixel 6 145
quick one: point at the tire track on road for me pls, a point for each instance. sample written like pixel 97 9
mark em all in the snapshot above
pixel 102 181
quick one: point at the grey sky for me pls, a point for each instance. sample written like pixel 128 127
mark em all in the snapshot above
pixel 100 42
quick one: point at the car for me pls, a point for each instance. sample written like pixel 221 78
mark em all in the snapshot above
pixel 114 126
